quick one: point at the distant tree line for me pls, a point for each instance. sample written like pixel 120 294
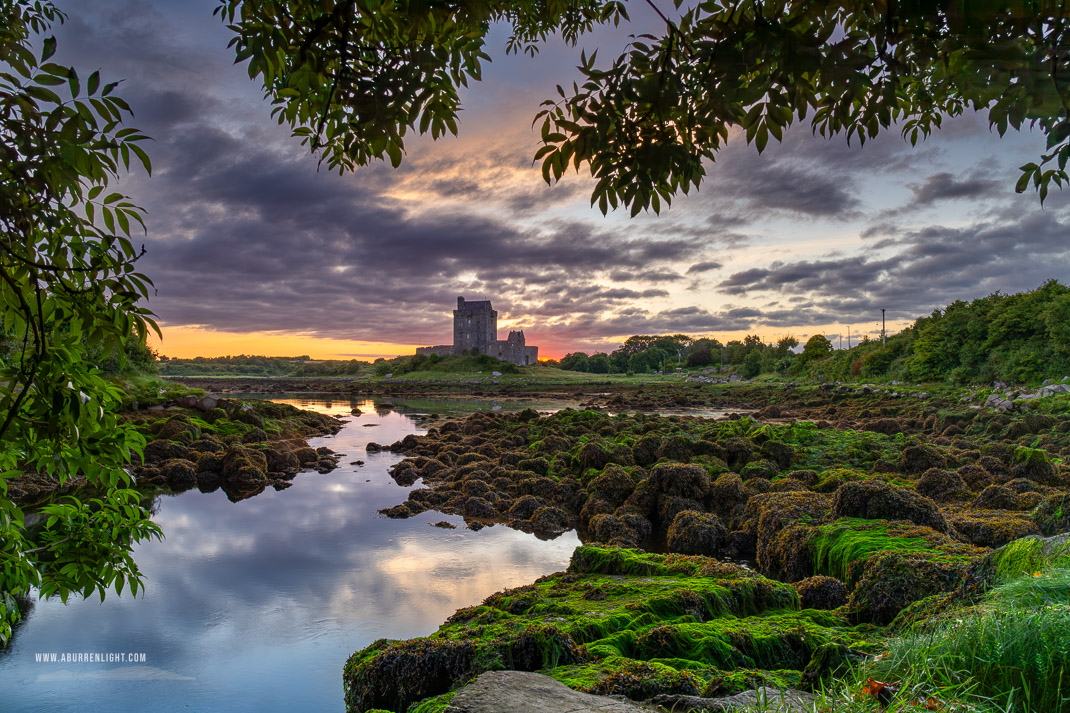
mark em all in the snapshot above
pixel 644 354
pixel 240 365
pixel 1017 338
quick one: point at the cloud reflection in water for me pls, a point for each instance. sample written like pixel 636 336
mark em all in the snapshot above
pixel 256 605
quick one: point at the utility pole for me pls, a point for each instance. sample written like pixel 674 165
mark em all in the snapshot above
pixel 848 339
pixel 883 330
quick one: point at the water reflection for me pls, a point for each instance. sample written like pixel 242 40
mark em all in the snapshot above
pixel 256 605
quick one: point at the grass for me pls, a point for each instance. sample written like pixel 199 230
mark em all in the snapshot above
pixel 148 390
pixel 1008 653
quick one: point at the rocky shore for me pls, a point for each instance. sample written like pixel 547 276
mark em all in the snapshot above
pixel 241 447
pixel 722 555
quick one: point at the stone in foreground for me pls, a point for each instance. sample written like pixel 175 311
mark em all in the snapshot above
pixel 511 691
pixel 765 699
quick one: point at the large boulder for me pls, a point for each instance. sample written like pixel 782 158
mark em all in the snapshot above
pixel 244 467
pixel 696 533
pixel 878 500
pixel 180 474
pixel 941 485
pixel 686 481
pixel 820 592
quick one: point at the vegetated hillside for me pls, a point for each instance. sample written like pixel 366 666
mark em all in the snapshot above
pixel 1018 338
pixel 1024 337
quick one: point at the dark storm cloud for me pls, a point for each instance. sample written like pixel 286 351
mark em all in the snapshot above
pixel 944 186
pixel 706 266
pixel 932 267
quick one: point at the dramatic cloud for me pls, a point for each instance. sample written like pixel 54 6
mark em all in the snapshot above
pixel 247 234
pixel 944 186
pixel 933 266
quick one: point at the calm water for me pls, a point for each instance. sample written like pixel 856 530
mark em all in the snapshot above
pixel 255 606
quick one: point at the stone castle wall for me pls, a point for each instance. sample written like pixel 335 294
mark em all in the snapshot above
pixel 475 326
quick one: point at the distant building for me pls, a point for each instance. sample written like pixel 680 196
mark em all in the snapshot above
pixel 475 326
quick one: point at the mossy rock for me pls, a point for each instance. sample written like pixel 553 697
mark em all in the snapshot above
pixel 610 613
pixel 1027 555
pixel 696 533
pixel 919 458
pixel 878 500
pixel 848 548
pixel 821 592
pixel 1052 516
pixel 941 486
pixel 893 580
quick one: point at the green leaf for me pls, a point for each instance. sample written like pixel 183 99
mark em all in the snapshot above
pixel 48 48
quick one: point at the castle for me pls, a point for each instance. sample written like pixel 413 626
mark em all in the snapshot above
pixel 475 326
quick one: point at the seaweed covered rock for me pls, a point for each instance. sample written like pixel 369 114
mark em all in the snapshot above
pixel 893 580
pixel 769 513
pixel 1052 516
pixel 1034 464
pixel 986 528
pixel 779 453
pixel 161 449
pixel 550 520
pixel 612 530
pixel 787 556
pixel 602 623
pixel 242 465
pixel 1027 555
pixel 820 592
pixel 179 474
pixel 996 497
pixel 920 458
pixel 941 486
pixel 688 481
pixel 613 485
pixel 878 500
pixel 696 533
pixel 727 492
pixel 393 674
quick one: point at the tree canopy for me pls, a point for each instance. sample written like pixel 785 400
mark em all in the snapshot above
pixel 69 290
pixel 354 77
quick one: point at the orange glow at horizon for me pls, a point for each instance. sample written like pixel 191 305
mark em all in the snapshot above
pixel 188 342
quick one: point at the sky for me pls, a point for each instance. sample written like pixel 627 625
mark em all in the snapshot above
pixel 254 249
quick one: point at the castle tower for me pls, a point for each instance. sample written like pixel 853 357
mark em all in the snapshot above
pixel 475 326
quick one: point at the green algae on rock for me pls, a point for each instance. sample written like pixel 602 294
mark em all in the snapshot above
pixel 617 621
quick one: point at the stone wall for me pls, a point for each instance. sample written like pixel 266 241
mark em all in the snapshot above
pixel 441 350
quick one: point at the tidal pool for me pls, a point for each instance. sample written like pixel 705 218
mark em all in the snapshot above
pixel 255 606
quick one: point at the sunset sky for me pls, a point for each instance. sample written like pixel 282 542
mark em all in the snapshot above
pixel 253 250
